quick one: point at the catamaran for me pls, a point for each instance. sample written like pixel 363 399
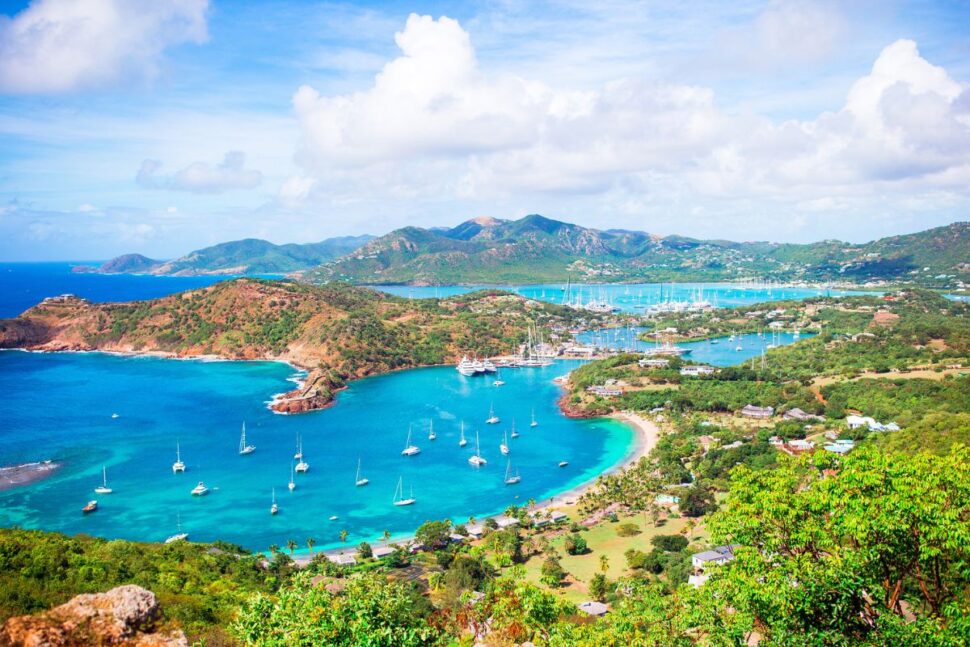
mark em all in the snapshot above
pixel 243 447
pixel 462 442
pixel 178 465
pixel 273 509
pixel 302 466
pixel 103 488
pixel 360 480
pixel 477 460
pixel 409 449
pixel 399 494
pixel 504 447
pixel 534 423
pixel 200 489
pixel 90 507
pixel 498 383
pixel 514 433
pixel 431 434
pixel 511 479
pixel 292 483
pixel 492 418
pixel 179 536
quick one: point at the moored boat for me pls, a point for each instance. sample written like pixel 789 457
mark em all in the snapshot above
pixel 399 498
pixel 245 448
pixel 409 449
pixel 103 488
pixel 90 507
pixel 200 489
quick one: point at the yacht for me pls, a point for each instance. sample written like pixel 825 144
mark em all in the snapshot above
pixel 498 383
pixel 409 449
pixel 360 480
pixel 90 507
pixel 298 456
pixel 179 536
pixel 462 442
pixel 333 517
pixel 478 366
pixel 563 463
pixel 399 494
pixel 292 483
pixel 431 434
pixel 273 509
pixel 200 489
pixel 514 433
pixel 511 479
pixel 504 447
pixel 492 418
pixel 534 423
pixel 488 366
pixel 178 465
pixel 465 367
pixel 243 447
pixel 477 460
pixel 103 488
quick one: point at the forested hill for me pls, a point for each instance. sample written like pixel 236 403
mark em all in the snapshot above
pixel 537 249
pixel 248 256
pixel 339 332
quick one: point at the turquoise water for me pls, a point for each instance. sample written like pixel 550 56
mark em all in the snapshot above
pixel 635 297
pixel 721 353
pixel 60 406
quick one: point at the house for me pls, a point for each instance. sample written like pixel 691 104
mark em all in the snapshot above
pixel 381 552
pixel 506 522
pixel 593 608
pixel 715 556
pixel 734 445
pixel 604 391
pixel 540 520
pixel 777 441
pixel 456 538
pixel 776 325
pixel 666 499
pixel 798 414
pixel 857 422
pixel 801 445
pixel 698 370
pixel 707 441
pixel 475 530
pixel 840 446
pixel 653 363
pixel 751 411
pixel 343 559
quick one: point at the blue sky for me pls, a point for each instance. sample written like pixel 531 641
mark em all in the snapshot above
pixel 166 126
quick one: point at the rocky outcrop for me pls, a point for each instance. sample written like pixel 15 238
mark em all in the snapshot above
pixel 124 616
pixel 315 393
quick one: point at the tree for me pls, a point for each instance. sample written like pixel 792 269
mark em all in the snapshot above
pixel 310 543
pixel 599 587
pixel 575 544
pixel 670 543
pixel 273 549
pixel 291 545
pixel 697 501
pixel 364 550
pixel 386 536
pixel 552 573
pixel 343 535
pixel 604 563
pixel 434 534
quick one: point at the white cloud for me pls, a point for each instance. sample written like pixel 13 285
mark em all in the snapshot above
pixel 295 190
pixel 434 125
pixel 62 45
pixel 201 177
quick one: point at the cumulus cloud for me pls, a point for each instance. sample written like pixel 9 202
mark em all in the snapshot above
pixel 201 177
pixel 62 45
pixel 435 123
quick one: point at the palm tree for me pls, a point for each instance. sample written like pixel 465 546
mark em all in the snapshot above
pixel 386 537
pixel 291 545
pixel 273 549
pixel 511 511
pixel 343 535
pixel 471 520
pixel 310 541
pixel 604 563
pixel 532 504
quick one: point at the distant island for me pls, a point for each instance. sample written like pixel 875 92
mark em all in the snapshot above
pixel 248 256
pixel 335 332
pixel 536 249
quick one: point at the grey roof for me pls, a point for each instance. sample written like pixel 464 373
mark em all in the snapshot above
pixel 594 608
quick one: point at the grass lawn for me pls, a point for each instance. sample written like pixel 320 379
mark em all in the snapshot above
pixel 603 540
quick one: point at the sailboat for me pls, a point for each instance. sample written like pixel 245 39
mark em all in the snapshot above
pixel 299 448
pixel 504 447
pixel 200 489
pixel 273 509
pixel 511 479
pixel 514 433
pixel 292 483
pixel 178 465
pixel 477 460
pixel 492 418
pixel 103 488
pixel 534 423
pixel 399 494
pixel 431 434
pixel 243 447
pixel 179 536
pixel 462 442
pixel 360 480
pixel 302 466
pixel 409 449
